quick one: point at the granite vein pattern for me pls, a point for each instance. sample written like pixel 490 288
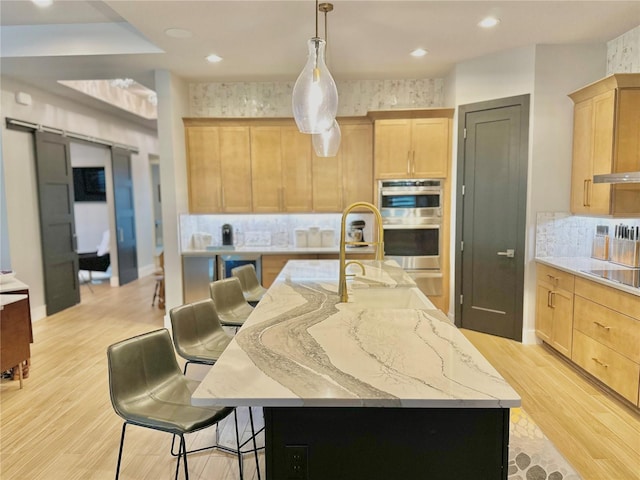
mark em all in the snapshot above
pixel 301 347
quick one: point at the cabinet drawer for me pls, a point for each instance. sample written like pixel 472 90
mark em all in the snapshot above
pixel 613 298
pixel 615 330
pixel 613 369
pixel 559 279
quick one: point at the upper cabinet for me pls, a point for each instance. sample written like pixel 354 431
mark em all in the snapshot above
pixel 348 177
pixel 281 169
pixel 606 123
pixel 218 168
pixel 412 144
pixel 268 166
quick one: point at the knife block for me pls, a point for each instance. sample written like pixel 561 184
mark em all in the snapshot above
pixel 600 247
pixel 625 252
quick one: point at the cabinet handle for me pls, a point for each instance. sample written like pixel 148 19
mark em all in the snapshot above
pixel 598 324
pixel 589 193
pixel 222 198
pixel 549 299
pixel 552 278
pixel 121 235
pixel 602 364
pixel 282 199
pixel 409 162
pixel 584 193
pixel 413 164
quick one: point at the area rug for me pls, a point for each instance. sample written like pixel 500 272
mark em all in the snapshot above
pixel 532 456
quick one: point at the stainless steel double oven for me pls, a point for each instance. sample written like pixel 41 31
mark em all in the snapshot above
pixel 411 212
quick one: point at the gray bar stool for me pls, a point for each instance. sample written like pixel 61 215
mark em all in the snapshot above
pixel 197 333
pixel 229 302
pixel 148 389
pixel 251 288
pixel 199 338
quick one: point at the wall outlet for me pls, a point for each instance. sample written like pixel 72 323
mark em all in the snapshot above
pixel 296 462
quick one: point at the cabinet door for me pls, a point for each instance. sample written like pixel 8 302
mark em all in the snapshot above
pixel 203 169
pixel 430 148
pixel 327 181
pixel 544 312
pixel 357 164
pixel 235 169
pixel 266 171
pixel 392 148
pixel 581 171
pixel 562 328
pixel 599 196
pixel 296 170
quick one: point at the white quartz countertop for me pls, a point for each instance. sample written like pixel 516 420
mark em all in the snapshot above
pixel 301 347
pixel 13 285
pixel 273 250
pixel 578 265
pixel 9 299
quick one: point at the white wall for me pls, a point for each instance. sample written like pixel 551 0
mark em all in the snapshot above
pixel 173 105
pixel 548 73
pixel 23 231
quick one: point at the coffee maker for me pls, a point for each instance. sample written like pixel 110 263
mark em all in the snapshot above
pixel 356 232
pixel 227 234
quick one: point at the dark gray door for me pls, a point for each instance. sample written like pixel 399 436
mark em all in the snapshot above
pixel 491 215
pixel 57 227
pixel 125 215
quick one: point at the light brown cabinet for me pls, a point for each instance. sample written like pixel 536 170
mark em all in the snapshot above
pixel 268 166
pixel 218 168
pixel 605 140
pixel 348 177
pixel 554 308
pixel 281 170
pixel 607 336
pixel 412 147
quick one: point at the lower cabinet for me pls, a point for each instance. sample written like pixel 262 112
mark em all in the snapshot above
pixel 596 326
pixel 607 336
pixel 554 308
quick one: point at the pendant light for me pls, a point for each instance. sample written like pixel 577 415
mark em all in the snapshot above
pixel 315 96
pixel 327 143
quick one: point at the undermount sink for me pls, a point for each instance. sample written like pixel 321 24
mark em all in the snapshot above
pixel 404 298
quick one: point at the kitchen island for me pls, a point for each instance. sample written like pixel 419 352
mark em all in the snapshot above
pixel 381 387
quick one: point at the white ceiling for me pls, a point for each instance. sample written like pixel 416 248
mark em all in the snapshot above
pixel 266 40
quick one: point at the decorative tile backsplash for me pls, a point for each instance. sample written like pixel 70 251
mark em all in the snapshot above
pixel 623 53
pixel 560 234
pixel 275 230
pixel 273 99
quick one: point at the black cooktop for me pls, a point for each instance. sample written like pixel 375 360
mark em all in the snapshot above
pixel 627 276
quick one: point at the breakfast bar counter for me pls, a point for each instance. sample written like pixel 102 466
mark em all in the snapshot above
pixel 383 386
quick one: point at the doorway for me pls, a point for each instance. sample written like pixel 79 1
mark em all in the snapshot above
pixel 491 215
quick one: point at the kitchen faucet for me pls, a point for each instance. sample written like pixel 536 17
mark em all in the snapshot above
pixel 342 286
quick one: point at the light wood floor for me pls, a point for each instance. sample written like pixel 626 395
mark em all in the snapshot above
pixel 62 425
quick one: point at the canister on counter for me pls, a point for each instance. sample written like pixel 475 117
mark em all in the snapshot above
pixel 328 237
pixel 314 238
pixel 300 238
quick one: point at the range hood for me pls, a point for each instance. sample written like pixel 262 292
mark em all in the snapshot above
pixel 627 177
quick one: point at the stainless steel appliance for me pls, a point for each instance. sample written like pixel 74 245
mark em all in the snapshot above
pixel 356 232
pixel 227 234
pixel 412 219
pixel 228 262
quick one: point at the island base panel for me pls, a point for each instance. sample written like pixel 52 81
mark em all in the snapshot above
pixel 308 443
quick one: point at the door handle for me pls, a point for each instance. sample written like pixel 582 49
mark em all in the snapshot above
pixel 510 253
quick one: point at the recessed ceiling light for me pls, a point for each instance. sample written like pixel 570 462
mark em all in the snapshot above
pixel 419 52
pixel 42 3
pixel 178 33
pixel 213 58
pixel 489 22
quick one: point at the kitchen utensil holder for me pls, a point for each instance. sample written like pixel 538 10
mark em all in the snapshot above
pixel 600 247
pixel 625 252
